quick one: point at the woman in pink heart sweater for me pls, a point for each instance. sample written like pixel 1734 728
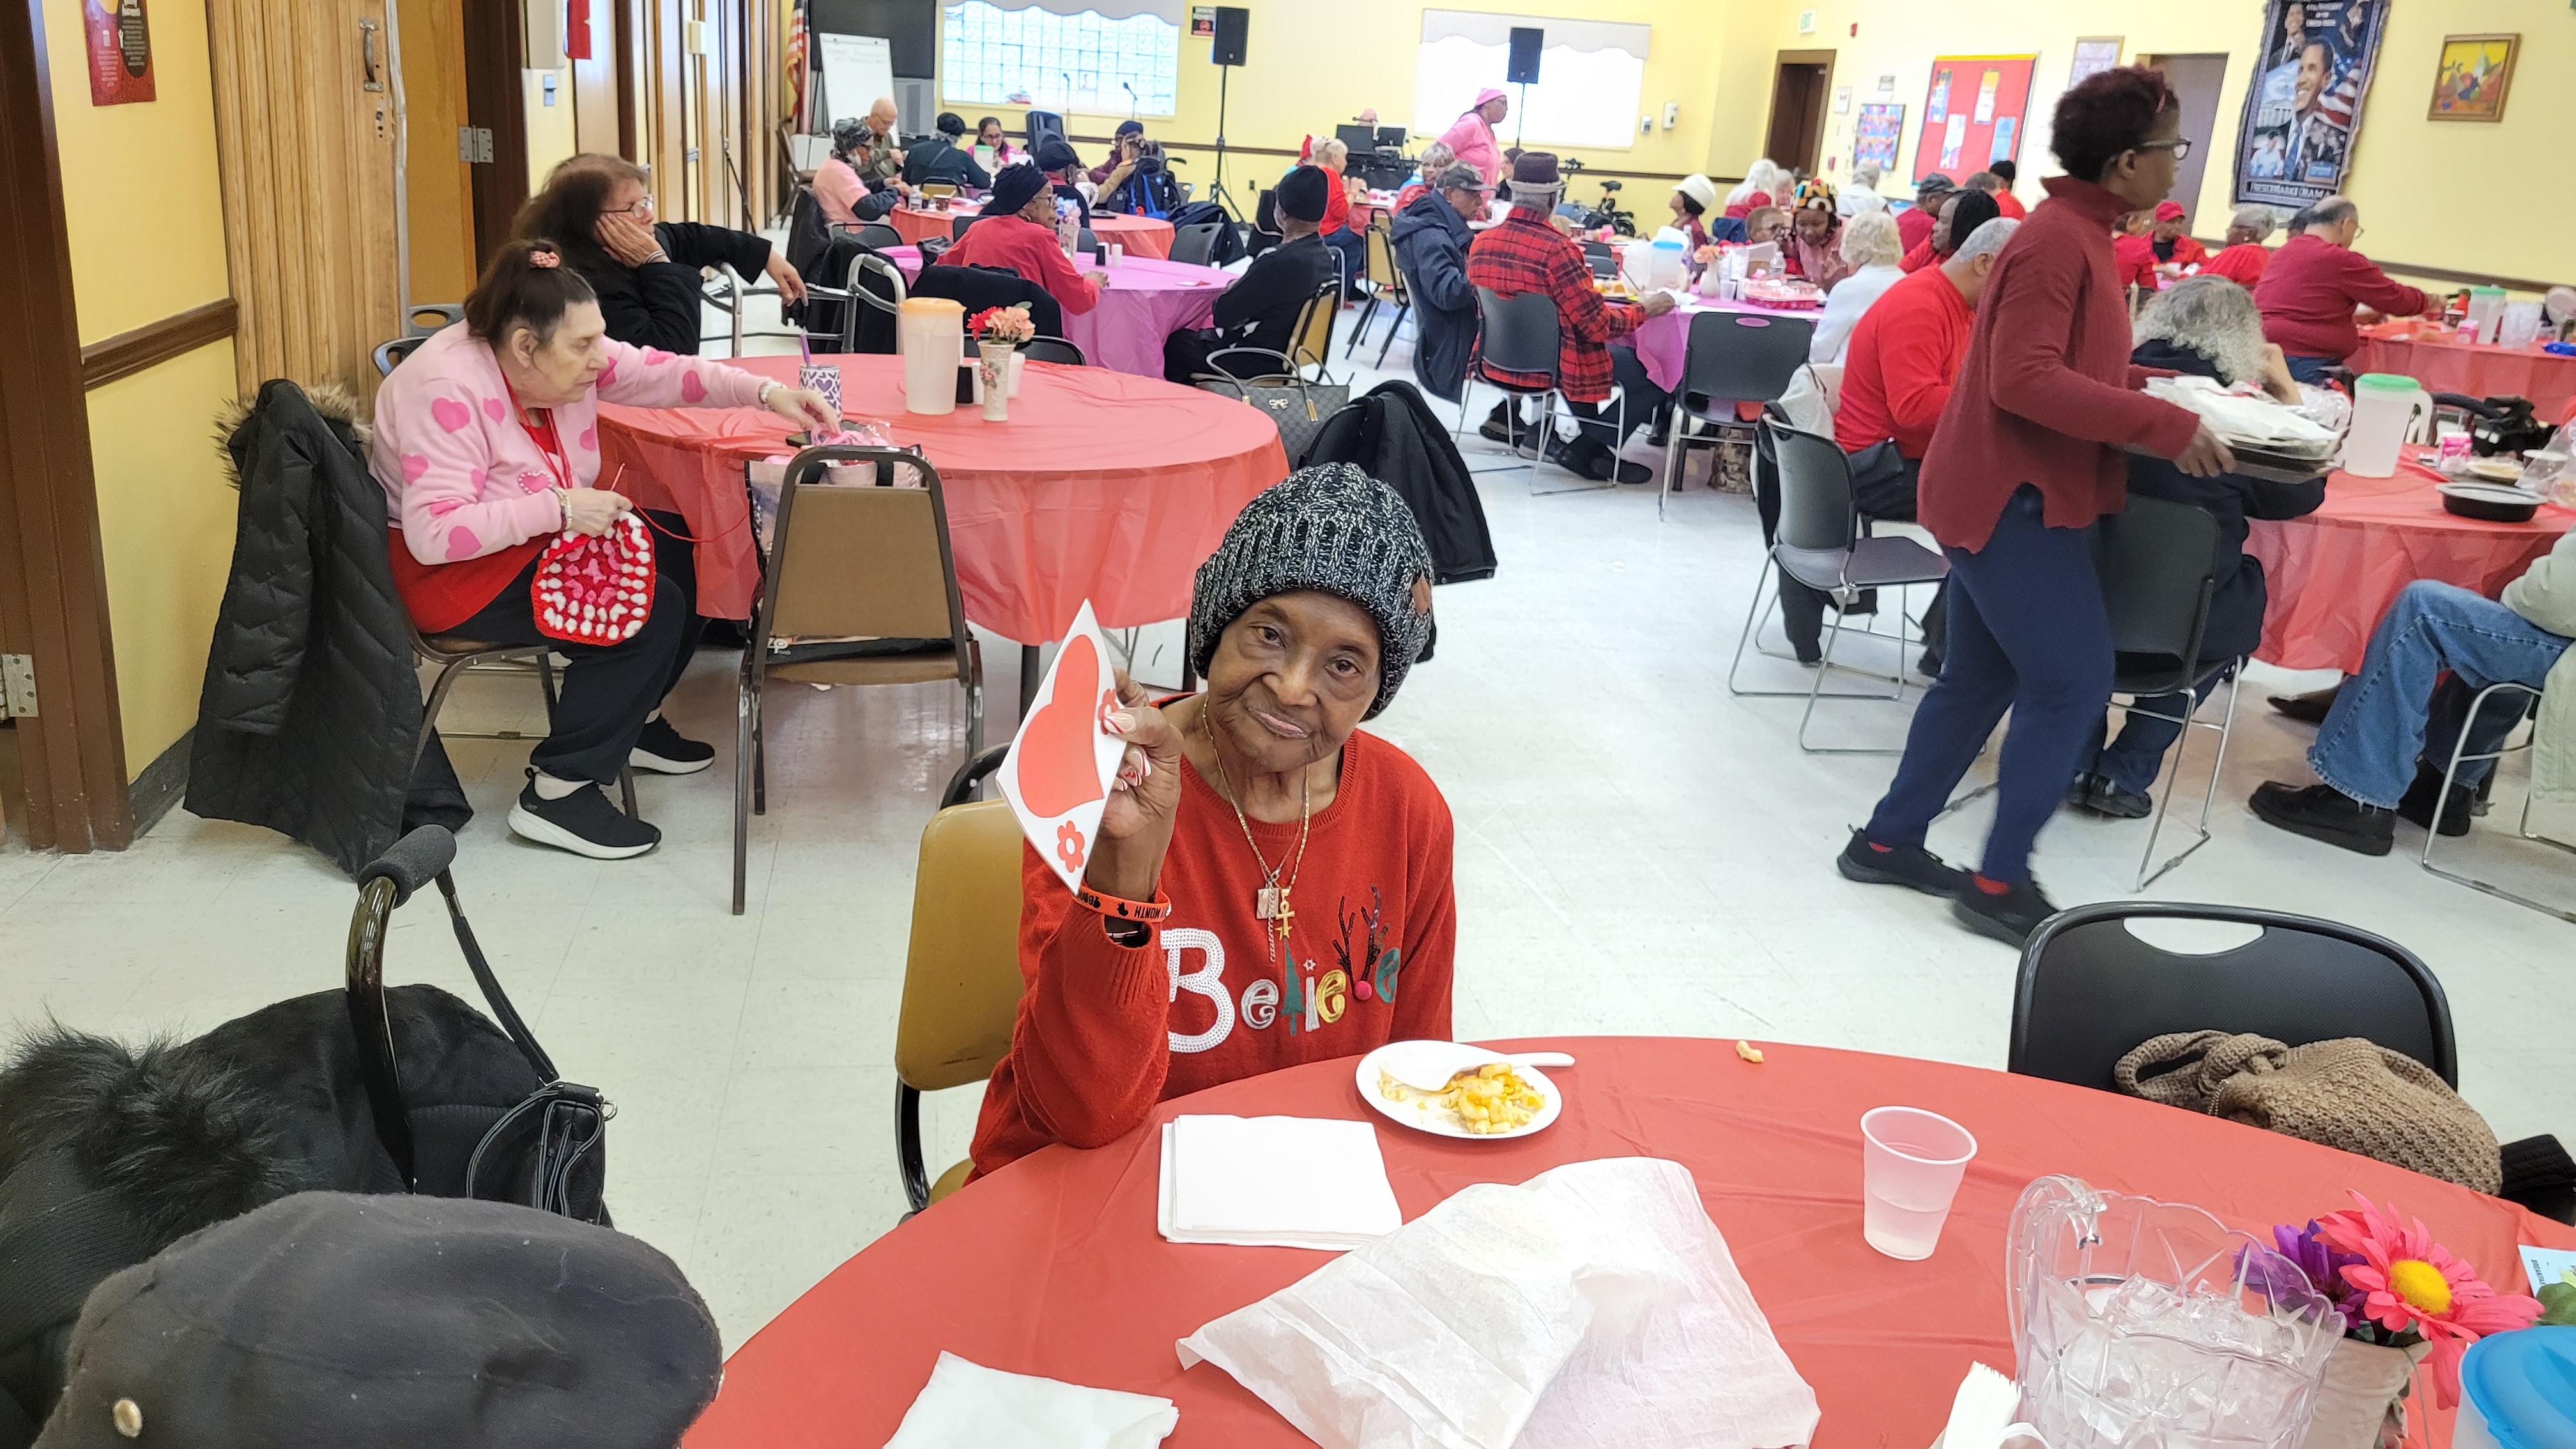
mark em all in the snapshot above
pixel 487 444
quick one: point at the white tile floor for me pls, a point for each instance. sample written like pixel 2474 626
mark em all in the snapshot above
pixel 1638 851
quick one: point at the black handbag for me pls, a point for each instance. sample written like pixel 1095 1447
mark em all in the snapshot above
pixel 1297 407
pixel 549 1150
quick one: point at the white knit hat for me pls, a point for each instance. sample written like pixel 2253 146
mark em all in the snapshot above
pixel 1700 189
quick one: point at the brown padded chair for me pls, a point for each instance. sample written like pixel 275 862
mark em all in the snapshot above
pixel 454 654
pixel 869 564
pixel 961 980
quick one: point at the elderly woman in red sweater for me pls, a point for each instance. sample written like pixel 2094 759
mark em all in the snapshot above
pixel 1271 885
pixel 2028 452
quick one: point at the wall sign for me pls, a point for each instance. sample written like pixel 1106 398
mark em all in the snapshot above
pixel 1973 112
pixel 120 51
pixel 1203 22
pixel 1876 136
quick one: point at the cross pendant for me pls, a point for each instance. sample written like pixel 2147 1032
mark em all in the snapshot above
pixel 1287 913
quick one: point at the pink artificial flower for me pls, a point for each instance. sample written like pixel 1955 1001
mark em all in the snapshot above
pixel 2409 1282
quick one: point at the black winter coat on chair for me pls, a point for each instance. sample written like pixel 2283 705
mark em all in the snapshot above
pixel 312 702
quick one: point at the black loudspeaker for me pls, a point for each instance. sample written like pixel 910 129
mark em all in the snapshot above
pixel 1232 23
pixel 1526 41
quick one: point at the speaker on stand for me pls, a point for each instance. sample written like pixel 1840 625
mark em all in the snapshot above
pixel 1527 42
pixel 1233 26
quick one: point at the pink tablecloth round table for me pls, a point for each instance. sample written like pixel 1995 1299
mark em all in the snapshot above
pixel 1147 300
pixel 2443 363
pixel 1662 341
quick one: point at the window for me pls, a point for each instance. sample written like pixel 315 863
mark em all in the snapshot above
pixel 1590 76
pixel 1122 56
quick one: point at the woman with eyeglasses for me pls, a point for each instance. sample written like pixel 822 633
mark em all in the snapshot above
pixel 647 274
pixel 2028 453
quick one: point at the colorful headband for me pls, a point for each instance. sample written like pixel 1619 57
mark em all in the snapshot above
pixel 547 260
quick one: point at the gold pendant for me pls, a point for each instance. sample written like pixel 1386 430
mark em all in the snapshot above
pixel 1287 914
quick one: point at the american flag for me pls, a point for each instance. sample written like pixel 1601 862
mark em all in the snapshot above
pixel 796 87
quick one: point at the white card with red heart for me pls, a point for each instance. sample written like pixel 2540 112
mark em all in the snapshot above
pixel 1061 762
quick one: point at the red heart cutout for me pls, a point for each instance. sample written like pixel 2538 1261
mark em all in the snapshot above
pixel 1057 768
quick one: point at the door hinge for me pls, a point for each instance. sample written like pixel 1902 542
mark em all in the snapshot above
pixel 474 144
pixel 17 686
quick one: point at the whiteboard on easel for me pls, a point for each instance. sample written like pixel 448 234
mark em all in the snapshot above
pixel 857 69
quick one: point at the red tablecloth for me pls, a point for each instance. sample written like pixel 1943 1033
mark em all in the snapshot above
pixel 916 227
pixel 1101 485
pixel 2443 363
pixel 1052 1266
pixel 1142 236
pixel 2331 574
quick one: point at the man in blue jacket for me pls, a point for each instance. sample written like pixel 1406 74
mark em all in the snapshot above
pixel 1431 247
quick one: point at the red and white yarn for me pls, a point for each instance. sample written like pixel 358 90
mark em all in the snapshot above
pixel 596 590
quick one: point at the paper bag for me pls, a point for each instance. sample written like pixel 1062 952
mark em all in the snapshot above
pixel 1593 1307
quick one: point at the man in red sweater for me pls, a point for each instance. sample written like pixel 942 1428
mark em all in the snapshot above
pixel 1270 886
pixel 2313 283
pixel 1017 230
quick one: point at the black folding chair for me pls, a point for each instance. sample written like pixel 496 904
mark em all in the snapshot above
pixel 1820 543
pixel 1051 349
pixel 1728 358
pixel 877 236
pixel 425 318
pixel 389 355
pixel 2091 990
pixel 1520 334
pixel 1195 245
pixel 2158 566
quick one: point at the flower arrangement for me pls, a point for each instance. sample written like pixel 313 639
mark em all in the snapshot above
pixel 1705 255
pixel 1009 325
pixel 2397 1288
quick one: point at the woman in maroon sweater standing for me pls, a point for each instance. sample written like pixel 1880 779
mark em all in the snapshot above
pixel 2026 455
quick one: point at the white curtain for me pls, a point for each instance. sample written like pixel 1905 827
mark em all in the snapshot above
pixel 1591 74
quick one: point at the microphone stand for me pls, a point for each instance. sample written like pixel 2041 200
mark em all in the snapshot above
pixel 1216 185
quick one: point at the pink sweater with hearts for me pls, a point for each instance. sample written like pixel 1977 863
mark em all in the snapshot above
pixel 463 479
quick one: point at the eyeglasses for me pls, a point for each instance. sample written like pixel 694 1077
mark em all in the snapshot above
pixel 2180 146
pixel 642 203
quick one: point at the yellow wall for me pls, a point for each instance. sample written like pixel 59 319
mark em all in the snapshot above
pixel 2401 163
pixel 146 229
pixel 1316 65
pixel 550 131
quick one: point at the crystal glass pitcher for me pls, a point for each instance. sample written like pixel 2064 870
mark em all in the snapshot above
pixel 2148 1325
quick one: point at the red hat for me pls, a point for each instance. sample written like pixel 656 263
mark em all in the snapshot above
pixel 2169 211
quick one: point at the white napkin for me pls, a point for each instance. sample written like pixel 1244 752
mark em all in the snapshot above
pixel 1274 1182
pixel 1593 1306
pixel 2253 421
pixel 968 1404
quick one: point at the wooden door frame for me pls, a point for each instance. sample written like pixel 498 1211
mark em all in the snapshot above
pixel 495 51
pixel 53 594
pixel 1824 100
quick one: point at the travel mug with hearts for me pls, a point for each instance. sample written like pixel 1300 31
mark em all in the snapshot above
pixel 824 378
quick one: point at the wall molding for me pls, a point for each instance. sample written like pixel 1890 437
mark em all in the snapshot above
pixel 162 784
pixel 154 343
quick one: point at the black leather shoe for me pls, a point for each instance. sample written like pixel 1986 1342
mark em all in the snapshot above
pixel 2309 708
pixel 2416 807
pixel 2110 801
pixel 2008 916
pixel 2321 812
pixel 1907 865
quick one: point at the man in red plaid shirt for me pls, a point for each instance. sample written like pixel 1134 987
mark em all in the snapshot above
pixel 1526 253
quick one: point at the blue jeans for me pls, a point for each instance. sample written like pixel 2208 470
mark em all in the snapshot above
pixel 2311 369
pixel 2369 743
pixel 2028 633
pixel 1354 250
pixel 2133 760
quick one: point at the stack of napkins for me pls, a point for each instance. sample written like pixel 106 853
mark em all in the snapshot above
pixel 1274 1182
pixel 2254 422
pixel 1593 1307
pixel 967 1403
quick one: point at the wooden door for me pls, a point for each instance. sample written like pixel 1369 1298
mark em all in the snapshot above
pixel 1802 82
pixel 439 252
pixel 496 106
pixel 2196 80
pixel 304 135
pixel 596 84
pixel 664 98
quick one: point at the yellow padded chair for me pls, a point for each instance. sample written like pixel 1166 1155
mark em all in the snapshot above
pixel 961 978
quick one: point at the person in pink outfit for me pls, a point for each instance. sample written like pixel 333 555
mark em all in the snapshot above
pixel 487 445
pixel 1471 138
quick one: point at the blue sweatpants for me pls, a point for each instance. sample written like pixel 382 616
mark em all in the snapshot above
pixel 2028 633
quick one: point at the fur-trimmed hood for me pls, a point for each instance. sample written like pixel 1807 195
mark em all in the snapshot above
pixel 335 403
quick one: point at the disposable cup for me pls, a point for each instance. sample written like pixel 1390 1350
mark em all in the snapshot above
pixel 1117 253
pixel 825 378
pixel 1911 1163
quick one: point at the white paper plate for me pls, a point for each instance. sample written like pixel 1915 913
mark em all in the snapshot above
pixel 1439 1121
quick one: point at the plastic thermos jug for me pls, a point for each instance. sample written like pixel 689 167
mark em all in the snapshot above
pixel 2386 408
pixel 2486 304
pixel 930 332
pixel 1636 263
pixel 1669 264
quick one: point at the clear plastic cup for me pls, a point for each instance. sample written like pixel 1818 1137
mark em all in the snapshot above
pixel 1911 1163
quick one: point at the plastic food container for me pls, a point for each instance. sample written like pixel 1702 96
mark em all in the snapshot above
pixel 2518 1391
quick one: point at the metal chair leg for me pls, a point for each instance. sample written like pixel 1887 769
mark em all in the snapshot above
pixel 2173 782
pixel 2450 781
pixel 742 781
pixel 1402 311
pixel 626 788
pixel 1815 691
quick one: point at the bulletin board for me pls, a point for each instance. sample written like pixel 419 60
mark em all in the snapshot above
pixel 1972 113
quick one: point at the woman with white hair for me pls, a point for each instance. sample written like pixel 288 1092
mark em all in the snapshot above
pixel 2202 326
pixel 1862 195
pixel 1871 248
pixel 2241 260
pixel 1764 184
pixel 1436 158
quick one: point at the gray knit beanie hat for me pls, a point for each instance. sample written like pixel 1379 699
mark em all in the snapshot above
pixel 1333 529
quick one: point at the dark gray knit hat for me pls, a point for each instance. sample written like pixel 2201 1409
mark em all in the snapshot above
pixel 1333 529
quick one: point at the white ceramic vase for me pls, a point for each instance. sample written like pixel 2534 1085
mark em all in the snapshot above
pixel 993 371
pixel 2359 1403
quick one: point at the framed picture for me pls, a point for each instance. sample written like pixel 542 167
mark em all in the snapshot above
pixel 2475 73
pixel 2093 54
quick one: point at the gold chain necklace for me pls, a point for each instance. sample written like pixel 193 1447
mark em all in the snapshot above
pixel 1270 903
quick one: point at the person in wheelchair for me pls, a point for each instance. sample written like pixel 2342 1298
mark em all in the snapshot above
pixel 1271 885
pixel 2201 327
pixel 1259 313
pixel 2393 719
